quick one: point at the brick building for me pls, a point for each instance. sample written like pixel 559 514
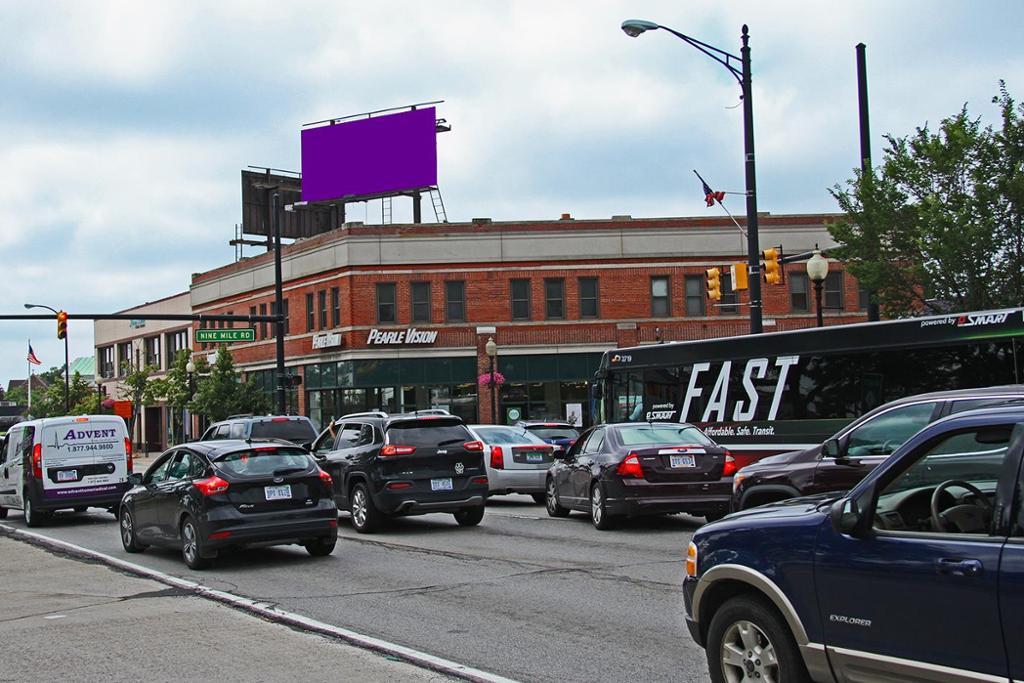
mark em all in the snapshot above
pixel 398 316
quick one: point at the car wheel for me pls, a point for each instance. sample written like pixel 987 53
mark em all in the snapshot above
pixel 551 501
pixel 539 498
pixel 33 518
pixel 192 545
pixel 366 518
pixel 599 510
pixel 128 539
pixel 748 640
pixel 470 516
pixel 322 546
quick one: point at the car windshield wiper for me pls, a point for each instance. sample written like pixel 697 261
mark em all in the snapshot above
pixel 288 470
pixel 449 442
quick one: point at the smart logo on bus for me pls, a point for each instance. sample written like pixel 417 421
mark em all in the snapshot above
pixel 745 406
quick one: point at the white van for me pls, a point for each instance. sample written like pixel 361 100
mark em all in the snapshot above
pixel 60 463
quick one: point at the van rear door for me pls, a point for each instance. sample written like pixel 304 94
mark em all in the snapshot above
pixel 82 457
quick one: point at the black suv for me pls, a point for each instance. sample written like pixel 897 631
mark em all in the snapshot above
pixel 842 461
pixel 295 428
pixel 390 465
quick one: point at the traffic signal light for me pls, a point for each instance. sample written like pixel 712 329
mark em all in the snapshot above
pixel 714 284
pixel 62 325
pixel 772 267
pixel 739 276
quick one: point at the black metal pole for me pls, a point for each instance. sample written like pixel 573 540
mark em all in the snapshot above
pixel 417 210
pixel 753 248
pixel 865 145
pixel 817 301
pixel 494 402
pixel 278 306
pixel 67 378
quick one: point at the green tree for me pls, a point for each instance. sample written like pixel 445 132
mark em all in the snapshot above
pixel 222 393
pixel 139 387
pixel 176 388
pixel 938 225
pixel 82 398
pixel 18 396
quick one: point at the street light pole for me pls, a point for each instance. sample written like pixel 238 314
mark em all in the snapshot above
pixel 492 350
pixel 633 28
pixel 67 362
pixel 817 271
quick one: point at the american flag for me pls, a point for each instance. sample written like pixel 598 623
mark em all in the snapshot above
pixel 32 357
pixel 710 195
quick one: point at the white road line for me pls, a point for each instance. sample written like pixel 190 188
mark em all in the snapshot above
pixel 423 659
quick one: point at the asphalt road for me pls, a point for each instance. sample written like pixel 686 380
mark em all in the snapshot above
pixel 522 595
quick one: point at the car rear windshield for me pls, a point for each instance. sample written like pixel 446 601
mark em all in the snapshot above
pixel 553 432
pixel 264 461
pixel 506 436
pixel 296 431
pixel 429 433
pixel 641 435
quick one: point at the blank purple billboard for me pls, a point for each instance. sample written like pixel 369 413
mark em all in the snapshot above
pixel 368 157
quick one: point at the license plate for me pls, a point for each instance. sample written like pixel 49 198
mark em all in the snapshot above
pixel 534 457
pixel 278 492
pixel 681 461
pixel 440 484
pixel 67 475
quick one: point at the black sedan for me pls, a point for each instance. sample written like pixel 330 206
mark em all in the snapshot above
pixel 208 496
pixel 641 468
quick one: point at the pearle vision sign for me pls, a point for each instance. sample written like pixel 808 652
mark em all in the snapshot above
pixel 407 336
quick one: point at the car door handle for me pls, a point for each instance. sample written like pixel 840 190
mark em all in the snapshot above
pixel 958 567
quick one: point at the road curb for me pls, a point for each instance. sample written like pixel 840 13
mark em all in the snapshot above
pixel 264 610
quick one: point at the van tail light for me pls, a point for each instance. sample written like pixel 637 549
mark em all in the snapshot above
pixel 729 468
pixel 630 467
pixel 497 458
pixel 326 480
pixel 128 454
pixel 478 480
pixel 37 461
pixel 211 486
pixel 392 449
pixel 474 446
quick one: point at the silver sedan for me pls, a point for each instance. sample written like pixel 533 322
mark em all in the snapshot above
pixel 516 460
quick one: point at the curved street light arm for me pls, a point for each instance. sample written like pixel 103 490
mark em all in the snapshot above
pixel 720 56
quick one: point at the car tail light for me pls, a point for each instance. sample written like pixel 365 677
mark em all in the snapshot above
pixel 332 523
pixel 218 535
pixel 691 559
pixel 279 419
pixel 326 480
pixel 474 446
pixel 265 449
pixel 630 467
pixel 729 468
pixel 478 480
pixel 497 458
pixel 392 449
pixel 37 461
pixel 211 486
pixel 398 485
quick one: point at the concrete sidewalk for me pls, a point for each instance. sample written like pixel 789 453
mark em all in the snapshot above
pixel 64 618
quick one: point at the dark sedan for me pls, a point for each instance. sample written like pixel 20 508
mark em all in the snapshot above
pixel 634 469
pixel 208 496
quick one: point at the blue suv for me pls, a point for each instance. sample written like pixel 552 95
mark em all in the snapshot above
pixel 916 574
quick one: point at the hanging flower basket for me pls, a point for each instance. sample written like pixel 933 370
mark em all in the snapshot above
pixel 484 379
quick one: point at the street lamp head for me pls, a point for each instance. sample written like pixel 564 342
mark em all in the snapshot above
pixel 634 27
pixel 491 348
pixel 32 306
pixel 817 267
pixel 190 367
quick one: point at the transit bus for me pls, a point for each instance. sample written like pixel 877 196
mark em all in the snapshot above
pixel 768 393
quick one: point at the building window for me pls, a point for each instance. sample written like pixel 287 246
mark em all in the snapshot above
pixel 310 313
pixel 335 307
pixel 455 301
pixel 727 305
pixel 152 345
pixel 229 323
pixel 554 298
pixel 287 326
pixel 263 325
pixel 176 341
pixel 419 293
pixel 659 297
pixel 863 298
pixel 386 302
pixel 520 295
pixel 834 291
pixel 696 298
pixel 107 362
pixel 321 298
pixel 588 297
pixel 799 292
pixel 124 358
pixel 273 311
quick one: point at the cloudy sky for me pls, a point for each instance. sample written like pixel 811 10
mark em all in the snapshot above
pixel 124 125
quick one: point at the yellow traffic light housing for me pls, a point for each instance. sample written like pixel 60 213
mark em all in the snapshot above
pixel 772 266
pixel 739 276
pixel 62 325
pixel 714 283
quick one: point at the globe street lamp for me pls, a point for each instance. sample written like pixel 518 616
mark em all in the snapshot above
pixel 633 28
pixel 817 271
pixel 67 363
pixel 190 368
pixel 492 350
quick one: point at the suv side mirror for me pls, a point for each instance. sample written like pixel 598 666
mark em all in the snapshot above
pixel 135 479
pixel 833 449
pixel 847 517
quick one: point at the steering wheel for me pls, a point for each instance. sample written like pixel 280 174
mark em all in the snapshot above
pixel 967 518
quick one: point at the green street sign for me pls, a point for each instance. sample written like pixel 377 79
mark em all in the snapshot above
pixel 245 334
